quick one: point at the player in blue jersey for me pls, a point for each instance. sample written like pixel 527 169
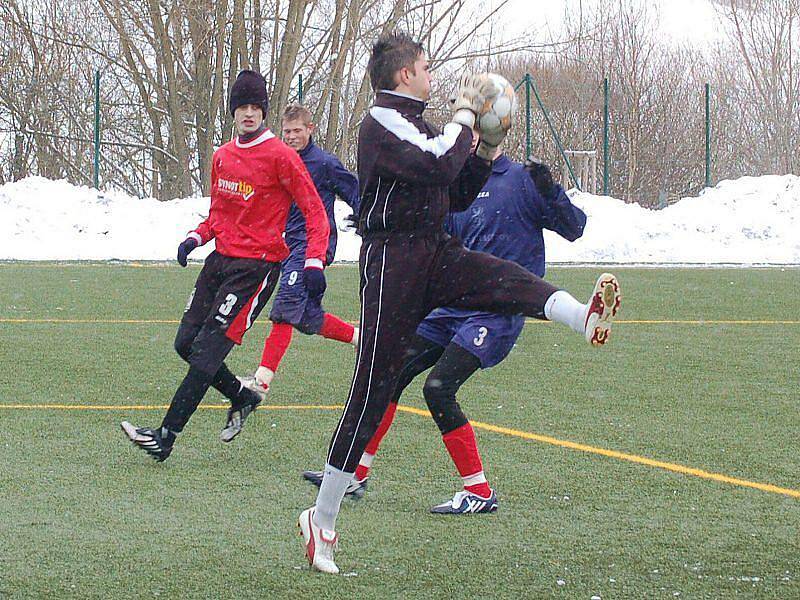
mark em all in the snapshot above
pixel 293 308
pixel 507 220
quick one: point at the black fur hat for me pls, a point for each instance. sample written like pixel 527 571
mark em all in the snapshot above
pixel 249 88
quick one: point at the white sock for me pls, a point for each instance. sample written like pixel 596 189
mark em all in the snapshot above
pixel 264 376
pixel 474 479
pixel 562 307
pixel 329 499
pixel 366 460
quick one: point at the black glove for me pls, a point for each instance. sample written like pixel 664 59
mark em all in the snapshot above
pixel 185 248
pixel 542 178
pixel 314 279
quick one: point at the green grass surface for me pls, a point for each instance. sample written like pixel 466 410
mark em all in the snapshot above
pixel 84 514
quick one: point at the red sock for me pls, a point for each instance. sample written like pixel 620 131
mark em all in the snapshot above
pixel 333 328
pixel 463 449
pixel 276 345
pixel 372 447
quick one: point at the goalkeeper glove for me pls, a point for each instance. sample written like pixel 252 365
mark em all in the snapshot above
pixel 472 97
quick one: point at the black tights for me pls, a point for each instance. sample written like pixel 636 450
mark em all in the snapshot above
pixel 452 366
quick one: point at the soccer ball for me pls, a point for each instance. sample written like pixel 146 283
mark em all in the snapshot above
pixel 500 109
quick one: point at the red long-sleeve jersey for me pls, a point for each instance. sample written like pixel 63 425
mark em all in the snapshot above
pixel 253 186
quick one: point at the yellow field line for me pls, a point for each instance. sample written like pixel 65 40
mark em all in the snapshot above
pixel 676 468
pixel 164 406
pixel 527 321
pixel 766 487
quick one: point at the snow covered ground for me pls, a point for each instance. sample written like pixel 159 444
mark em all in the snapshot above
pixel 753 220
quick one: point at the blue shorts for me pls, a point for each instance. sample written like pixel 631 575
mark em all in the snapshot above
pixel 292 304
pixel 487 336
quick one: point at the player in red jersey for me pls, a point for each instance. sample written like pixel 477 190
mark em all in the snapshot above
pixel 255 178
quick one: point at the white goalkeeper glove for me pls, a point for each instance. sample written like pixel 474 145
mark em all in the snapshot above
pixel 491 138
pixel 472 98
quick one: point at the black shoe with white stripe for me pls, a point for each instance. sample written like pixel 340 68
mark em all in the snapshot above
pixel 237 415
pixel 149 440
pixel 355 489
pixel 465 502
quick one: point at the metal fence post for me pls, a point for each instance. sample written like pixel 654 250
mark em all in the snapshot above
pixel 605 136
pixel 708 135
pixel 554 133
pixel 527 116
pixel 300 88
pixel 97 129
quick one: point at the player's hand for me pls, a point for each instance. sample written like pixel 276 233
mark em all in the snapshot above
pixel 542 177
pixel 314 278
pixel 472 97
pixel 349 223
pixel 184 249
pixel 491 138
pixel 489 141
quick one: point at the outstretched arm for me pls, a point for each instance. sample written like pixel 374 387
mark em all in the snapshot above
pixel 558 213
pixel 345 184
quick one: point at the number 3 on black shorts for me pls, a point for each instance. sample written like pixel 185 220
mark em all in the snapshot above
pixel 226 307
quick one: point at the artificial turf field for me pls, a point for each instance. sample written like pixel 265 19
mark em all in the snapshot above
pixel 683 381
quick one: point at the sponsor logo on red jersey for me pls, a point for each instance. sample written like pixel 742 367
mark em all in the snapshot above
pixel 241 188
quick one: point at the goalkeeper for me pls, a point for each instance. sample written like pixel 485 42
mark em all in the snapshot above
pixel 411 176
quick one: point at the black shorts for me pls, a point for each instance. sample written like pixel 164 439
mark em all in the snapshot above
pixel 230 293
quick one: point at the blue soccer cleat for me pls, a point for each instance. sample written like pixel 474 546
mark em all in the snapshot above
pixel 465 502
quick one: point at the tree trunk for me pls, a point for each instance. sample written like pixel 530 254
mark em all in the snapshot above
pixel 284 70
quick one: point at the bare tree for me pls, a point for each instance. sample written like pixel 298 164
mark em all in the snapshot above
pixel 767 36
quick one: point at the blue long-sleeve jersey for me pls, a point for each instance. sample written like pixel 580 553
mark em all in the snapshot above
pixel 506 220
pixel 331 179
pixel 509 214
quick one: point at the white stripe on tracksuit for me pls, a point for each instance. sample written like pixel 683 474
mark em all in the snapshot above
pixel 358 355
pixel 386 203
pixel 374 341
pixel 253 306
pixel 393 121
pixel 374 203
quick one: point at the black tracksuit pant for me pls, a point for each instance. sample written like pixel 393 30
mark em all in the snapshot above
pixel 403 277
pixel 227 298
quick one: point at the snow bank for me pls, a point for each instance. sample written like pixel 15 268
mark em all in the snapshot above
pixel 744 221
pixel 747 221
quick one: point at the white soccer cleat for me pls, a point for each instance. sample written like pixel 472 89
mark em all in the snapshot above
pixel 603 307
pixel 320 543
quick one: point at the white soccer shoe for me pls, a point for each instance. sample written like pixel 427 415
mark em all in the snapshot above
pixel 603 307
pixel 320 543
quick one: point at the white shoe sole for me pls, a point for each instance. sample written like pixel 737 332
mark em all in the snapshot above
pixel 227 434
pixel 130 431
pixel 604 305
